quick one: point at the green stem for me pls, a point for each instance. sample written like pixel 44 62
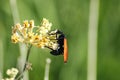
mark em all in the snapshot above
pixel 28 53
pixel 24 68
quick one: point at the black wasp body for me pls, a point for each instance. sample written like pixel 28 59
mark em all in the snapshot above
pixel 60 41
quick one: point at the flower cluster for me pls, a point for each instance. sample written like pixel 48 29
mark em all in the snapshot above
pixel 38 36
pixel 11 73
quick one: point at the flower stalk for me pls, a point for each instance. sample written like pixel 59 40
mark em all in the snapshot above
pixel 26 63
pixel 28 53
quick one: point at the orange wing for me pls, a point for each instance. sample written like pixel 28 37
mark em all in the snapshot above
pixel 65 50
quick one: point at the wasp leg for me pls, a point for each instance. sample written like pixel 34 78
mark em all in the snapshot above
pixel 49 48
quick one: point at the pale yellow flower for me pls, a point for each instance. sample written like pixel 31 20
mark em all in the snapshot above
pixel 8 79
pixel 54 46
pixel 26 24
pixel 38 36
pixel 31 23
pixel 45 26
pixel 15 38
pixel 46 23
pixel 11 73
pixel 30 36
pixel 40 45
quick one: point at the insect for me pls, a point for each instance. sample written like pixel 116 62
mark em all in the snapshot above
pixel 62 48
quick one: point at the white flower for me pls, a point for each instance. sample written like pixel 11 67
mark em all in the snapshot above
pixel 8 79
pixel 38 36
pixel 43 30
pixel 45 26
pixel 12 72
pixel 55 46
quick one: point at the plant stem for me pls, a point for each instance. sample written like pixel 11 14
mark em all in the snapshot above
pixel 24 68
pixel 28 53
pixel 47 69
pixel 92 40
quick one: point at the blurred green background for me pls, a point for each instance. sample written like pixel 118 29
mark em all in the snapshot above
pixel 71 17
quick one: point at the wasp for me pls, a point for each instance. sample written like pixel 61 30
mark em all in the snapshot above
pixel 62 48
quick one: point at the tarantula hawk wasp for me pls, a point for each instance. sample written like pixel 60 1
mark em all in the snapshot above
pixel 62 48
